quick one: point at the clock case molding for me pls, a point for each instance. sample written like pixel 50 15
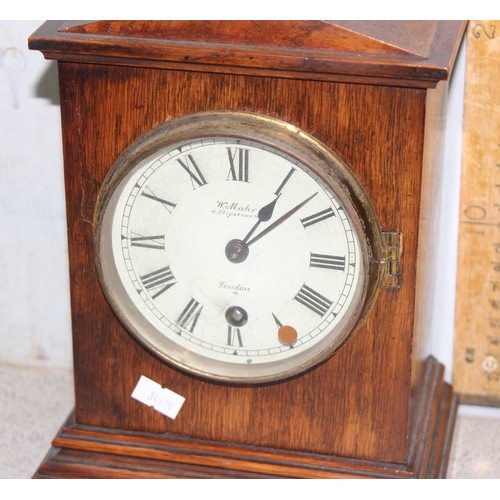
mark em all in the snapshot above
pixel 374 92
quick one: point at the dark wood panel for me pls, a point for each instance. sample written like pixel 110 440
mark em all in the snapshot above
pixel 361 38
pixel 401 53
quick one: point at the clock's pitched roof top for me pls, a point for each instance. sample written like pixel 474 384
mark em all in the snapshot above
pixel 407 53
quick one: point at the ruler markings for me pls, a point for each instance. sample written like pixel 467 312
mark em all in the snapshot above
pixel 476 367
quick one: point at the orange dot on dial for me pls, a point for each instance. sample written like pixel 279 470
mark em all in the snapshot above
pixel 287 334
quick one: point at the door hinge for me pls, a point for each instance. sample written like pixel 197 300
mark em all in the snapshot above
pixel 392 277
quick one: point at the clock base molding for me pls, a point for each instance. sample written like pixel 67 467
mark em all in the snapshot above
pixel 81 451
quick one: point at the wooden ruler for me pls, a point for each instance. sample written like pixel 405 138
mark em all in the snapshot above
pixel 476 366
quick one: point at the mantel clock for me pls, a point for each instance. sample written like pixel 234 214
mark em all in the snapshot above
pixel 251 211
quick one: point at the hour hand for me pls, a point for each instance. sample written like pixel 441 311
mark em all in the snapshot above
pixel 265 213
pixel 237 250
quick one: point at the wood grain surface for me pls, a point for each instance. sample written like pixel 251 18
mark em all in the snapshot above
pixel 346 398
pixel 476 364
pixel 400 53
pixel 82 451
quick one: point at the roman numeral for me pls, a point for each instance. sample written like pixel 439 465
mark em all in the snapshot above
pixel 239 172
pixel 327 261
pixel 160 278
pixel 156 242
pixel 318 217
pixel 285 180
pixel 197 176
pixel 234 335
pixel 313 300
pixel 189 317
pixel 165 203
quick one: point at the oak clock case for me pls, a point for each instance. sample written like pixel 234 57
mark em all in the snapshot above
pixel 356 108
pixel 235 246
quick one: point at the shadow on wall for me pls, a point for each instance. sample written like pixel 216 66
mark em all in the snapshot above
pixel 48 85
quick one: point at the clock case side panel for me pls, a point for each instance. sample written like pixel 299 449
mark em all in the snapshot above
pixel 427 271
pixel 356 404
pixel 432 178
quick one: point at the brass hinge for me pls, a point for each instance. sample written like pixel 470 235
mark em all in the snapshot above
pixel 392 277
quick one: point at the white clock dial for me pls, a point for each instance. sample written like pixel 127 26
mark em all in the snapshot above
pixel 231 258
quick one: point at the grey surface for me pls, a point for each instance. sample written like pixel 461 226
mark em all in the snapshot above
pixel 34 403
pixel 476 444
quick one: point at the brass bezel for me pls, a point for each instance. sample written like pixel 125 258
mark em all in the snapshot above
pixel 283 137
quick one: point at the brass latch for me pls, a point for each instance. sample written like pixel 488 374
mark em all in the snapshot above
pixel 392 275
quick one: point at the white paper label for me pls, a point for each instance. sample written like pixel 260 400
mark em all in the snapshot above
pixel 163 400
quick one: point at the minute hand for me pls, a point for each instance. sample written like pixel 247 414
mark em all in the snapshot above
pixel 279 221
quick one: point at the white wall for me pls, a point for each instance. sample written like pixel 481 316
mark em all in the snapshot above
pixel 34 294
pixel 34 300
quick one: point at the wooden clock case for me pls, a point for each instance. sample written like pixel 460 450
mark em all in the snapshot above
pixel 373 92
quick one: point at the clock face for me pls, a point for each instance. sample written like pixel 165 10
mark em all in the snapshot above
pixel 227 255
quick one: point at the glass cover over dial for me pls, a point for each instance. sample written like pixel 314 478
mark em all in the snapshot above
pixel 227 255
